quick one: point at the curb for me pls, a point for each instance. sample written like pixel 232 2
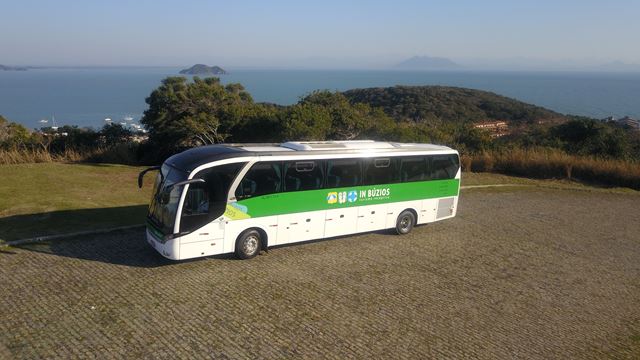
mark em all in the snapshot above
pixel 489 186
pixel 61 236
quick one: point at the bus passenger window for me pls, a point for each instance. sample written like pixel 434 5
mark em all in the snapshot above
pixel 262 179
pixel 444 166
pixel 413 169
pixel 303 175
pixel 343 173
pixel 380 171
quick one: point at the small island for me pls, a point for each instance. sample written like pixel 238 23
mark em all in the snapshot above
pixel 201 69
pixel 12 68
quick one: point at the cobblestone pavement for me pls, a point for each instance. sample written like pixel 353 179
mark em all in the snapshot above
pixel 518 274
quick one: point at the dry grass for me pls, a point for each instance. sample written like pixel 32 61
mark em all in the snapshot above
pixel 551 164
pixel 119 154
pixel 25 156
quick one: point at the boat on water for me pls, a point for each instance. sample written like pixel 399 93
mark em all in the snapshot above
pixel 54 126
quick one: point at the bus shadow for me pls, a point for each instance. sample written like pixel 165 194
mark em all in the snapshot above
pixel 26 226
pixel 122 247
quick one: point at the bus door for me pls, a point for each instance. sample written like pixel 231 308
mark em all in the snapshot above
pixel 201 217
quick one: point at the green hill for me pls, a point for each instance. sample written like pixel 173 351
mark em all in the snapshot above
pixel 427 104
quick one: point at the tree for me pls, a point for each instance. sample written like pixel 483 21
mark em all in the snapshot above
pixel 13 134
pixel 305 121
pixel 472 139
pixel 591 137
pixel 73 137
pixel 184 114
pixel 113 134
pixel 348 121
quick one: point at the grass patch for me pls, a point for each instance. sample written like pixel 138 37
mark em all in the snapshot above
pixel 53 198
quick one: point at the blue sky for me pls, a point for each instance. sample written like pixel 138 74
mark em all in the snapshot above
pixel 322 33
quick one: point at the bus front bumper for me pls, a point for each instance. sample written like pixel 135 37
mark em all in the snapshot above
pixel 168 249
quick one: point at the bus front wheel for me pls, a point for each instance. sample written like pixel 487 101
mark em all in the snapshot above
pixel 248 244
pixel 405 223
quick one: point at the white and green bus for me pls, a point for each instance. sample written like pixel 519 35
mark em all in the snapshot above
pixel 245 198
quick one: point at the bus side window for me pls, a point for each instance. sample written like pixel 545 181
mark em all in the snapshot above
pixel 262 179
pixel 303 175
pixel 380 171
pixel 444 166
pixel 413 168
pixel 343 173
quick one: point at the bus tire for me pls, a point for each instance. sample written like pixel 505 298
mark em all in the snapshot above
pixel 248 244
pixel 405 223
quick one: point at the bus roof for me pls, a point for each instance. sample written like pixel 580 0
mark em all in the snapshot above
pixel 190 159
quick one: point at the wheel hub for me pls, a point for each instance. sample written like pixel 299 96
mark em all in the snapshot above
pixel 404 223
pixel 250 245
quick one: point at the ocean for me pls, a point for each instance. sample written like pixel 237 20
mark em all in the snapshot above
pixel 86 96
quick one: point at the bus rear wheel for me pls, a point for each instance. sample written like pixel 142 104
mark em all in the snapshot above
pixel 248 244
pixel 405 223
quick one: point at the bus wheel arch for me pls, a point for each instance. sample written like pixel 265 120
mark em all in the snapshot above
pixel 250 242
pixel 264 239
pixel 406 221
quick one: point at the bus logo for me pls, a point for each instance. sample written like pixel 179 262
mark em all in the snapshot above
pixel 342 197
pixel 353 196
pixel 332 198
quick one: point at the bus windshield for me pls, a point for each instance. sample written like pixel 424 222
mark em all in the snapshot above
pixel 164 204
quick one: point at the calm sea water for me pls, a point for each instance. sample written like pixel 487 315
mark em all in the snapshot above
pixel 86 96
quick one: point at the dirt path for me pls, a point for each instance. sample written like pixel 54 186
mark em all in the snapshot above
pixel 519 273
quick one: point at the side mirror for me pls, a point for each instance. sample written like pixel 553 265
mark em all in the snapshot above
pixel 141 175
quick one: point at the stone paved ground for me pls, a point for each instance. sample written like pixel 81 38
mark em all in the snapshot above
pixel 524 274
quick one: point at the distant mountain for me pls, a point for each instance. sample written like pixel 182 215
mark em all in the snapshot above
pixel 201 69
pixel 619 66
pixel 12 68
pixel 426 63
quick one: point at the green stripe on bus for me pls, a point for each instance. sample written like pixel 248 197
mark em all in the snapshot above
pixel 326 199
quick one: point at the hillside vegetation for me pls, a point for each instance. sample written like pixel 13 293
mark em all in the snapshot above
pixel 185 113
pixel 444 103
